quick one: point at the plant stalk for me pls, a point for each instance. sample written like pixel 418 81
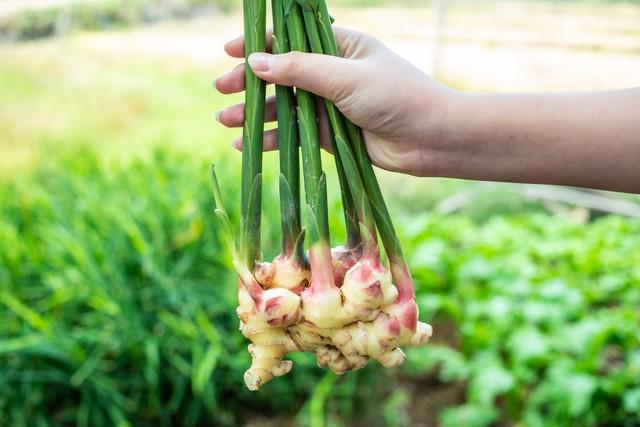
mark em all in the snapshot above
pixel 288 142
pixel 315 183
pixel 383 221
pixel 252 136
pixel 314 178
pixel 345 161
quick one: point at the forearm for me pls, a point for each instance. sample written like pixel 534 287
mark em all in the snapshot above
pixel 589 140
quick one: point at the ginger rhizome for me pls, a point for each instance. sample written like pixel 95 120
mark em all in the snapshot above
pixel 349 304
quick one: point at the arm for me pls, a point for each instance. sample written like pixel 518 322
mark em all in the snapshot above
pixel 581 139
pixel 415 125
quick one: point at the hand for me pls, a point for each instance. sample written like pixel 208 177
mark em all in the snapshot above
pixel 414 125
pixel 399 108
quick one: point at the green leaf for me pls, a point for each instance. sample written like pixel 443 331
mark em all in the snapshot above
pixel 468 415
pixel 528 344
pixel 318 398
pixel 219 210
pixel 24 312
pixel 20 343
pixel 452 364
pixel 489 379
pixel 580 389
pixel 203 368
pixel 152 356
pixel 632 401
pixel 576 337
pixel 395 409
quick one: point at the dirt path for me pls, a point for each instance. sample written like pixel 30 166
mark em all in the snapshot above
pixel 513 47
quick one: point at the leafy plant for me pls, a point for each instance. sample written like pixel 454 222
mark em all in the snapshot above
pixel 110 314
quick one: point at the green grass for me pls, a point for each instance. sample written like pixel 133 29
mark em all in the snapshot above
pixel 118 107
pixel 117 298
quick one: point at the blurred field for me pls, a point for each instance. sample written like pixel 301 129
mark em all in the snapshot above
pixel 117 298
pixel 503 46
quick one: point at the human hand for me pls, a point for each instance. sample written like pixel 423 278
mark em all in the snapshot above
pixel 399 108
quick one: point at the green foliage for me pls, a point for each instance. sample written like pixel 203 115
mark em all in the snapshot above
pixel 118 309
pixel 117 297
pixel 118 300
pixel 546 313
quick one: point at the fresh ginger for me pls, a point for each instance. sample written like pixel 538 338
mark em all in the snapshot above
pixel 344 304
pixel 340 339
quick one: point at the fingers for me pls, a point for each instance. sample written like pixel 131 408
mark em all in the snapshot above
pixel 292 69
pixel 235 47
pixel 269 143
pixel 351 44
pixel 270 139
pixel 233 81
pixel 233 117
pixel 327 76
pixel 341 34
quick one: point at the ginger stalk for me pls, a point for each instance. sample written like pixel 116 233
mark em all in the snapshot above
pixel 290 269
pixel 342 304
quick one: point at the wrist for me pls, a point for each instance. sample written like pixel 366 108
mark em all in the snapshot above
pixel 444 137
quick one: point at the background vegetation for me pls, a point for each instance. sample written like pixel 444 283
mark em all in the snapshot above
pixel 64 16
pixel 49 18
pixel 117 299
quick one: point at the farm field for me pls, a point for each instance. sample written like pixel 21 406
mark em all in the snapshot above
pixel 117 296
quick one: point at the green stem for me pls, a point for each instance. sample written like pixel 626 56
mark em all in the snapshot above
pixel 381 214
pixel 345 161
pixel 246 276
pixel 314 178
pixel 288 142
pixel 252 136
pixel 350 214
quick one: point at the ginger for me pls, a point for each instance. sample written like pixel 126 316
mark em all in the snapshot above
pixel 343 304
pixel 340 340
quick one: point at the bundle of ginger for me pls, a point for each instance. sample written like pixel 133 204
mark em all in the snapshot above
pixel 347 305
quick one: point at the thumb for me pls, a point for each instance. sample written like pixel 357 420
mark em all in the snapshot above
pixel 324 75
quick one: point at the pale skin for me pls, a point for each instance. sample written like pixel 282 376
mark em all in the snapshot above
pixel 415 125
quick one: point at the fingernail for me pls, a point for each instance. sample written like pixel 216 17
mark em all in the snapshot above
pixel 218 115
pixel 261 61
pixel 237 144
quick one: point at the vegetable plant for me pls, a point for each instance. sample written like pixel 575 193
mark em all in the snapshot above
pixel 347 304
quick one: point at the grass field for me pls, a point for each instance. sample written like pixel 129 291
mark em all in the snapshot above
pixel 116 295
